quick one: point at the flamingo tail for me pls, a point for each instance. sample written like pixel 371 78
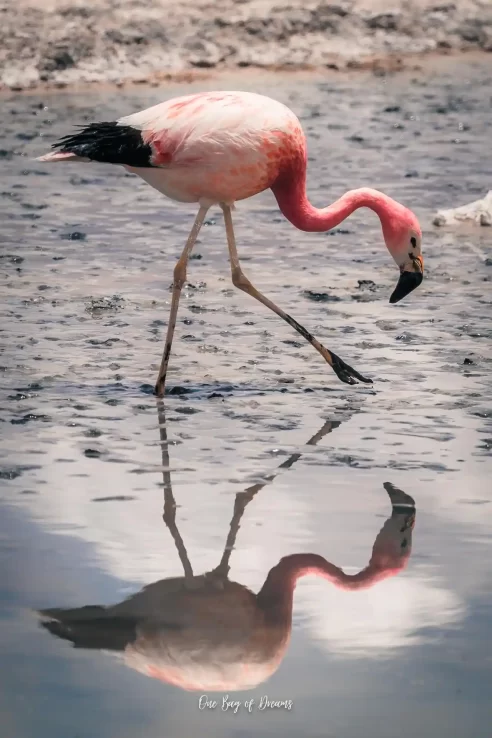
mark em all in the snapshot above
pixel 110 143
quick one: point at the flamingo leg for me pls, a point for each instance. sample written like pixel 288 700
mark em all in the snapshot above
pixel 178 282
pixel 343 371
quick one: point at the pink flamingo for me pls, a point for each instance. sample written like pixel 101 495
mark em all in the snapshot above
pixel 219 147
pixel 205 632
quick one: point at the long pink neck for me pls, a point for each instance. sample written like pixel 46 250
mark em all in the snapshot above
pixel 291 196
pixel 276 595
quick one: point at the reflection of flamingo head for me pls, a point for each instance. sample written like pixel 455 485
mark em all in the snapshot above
pixel 393 545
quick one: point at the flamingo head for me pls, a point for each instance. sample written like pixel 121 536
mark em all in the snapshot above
pixel 403 238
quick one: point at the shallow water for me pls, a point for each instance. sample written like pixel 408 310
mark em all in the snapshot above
pixel 263 451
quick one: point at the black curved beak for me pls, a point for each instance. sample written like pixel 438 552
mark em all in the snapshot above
pixel 407 283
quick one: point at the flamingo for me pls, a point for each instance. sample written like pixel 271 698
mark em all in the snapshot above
pixel 205 632
pixel 220 147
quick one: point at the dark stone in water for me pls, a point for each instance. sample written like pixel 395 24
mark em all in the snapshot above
pixel 9 474
pixel 338 232
pixel 366 284
pixel 74 236
pixel 92 453
pixel 116 498
pixel 108 342
pixel 92 433
pixel 178 391
pixel 320 296
pixel 27 419
pixel 468 361
pixel 147 389
pixel 15 471
pixel 97 304
pixel 13 258
pixel 406 337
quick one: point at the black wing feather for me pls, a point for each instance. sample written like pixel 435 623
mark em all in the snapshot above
pixel 109 143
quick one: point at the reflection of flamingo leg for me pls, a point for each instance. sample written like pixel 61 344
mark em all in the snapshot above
pixel 244 498
pixel 169 514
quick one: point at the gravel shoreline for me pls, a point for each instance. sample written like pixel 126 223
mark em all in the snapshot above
pixel 57 43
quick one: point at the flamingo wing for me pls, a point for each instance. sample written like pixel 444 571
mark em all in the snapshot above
pixel 182 131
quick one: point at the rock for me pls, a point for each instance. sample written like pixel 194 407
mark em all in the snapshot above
pixel 97 305
pixel 74 236
pixel 366 284
pixel 60 59
pixel 92 453
pixel 320 296
pixel 387 21
pixel 478 212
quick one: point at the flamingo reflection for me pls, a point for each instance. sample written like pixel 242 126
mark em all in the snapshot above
pixel 207 633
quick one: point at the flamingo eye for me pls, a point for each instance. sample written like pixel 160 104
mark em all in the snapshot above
pixel 413 241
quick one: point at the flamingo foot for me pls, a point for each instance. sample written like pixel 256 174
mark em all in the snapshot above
pixel 346 373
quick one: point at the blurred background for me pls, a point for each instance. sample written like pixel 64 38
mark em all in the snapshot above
pixel 61 42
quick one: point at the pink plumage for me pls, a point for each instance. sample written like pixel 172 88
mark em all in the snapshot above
pixel 221 147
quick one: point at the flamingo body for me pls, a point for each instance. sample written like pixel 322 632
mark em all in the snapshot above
pixel 218 147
